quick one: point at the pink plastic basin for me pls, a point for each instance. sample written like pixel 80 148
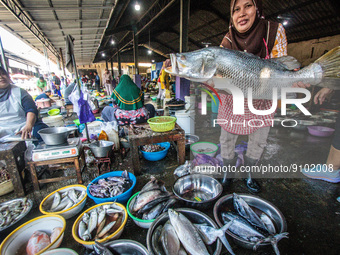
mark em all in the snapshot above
pixel 320 131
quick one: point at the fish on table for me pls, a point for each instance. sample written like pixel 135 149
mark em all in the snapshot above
pixel 245 70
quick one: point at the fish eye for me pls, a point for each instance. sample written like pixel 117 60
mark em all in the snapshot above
pixel 183 57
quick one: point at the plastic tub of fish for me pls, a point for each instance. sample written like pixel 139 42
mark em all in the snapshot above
pixel 194 216
pixel 126 246
pixel 36 236
pixel 157 155
pixel 197 190
pixel 260 206
pixel 139 222
pixel 109 228
pixel 12 212
pixel 320 131
pixel 206 148
pixel 121 198
pixel 60 251
pixel 67 201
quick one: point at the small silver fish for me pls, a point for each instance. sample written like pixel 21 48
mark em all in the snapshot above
pixel 56 201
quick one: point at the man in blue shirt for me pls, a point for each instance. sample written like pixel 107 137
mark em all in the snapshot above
pixel 44 95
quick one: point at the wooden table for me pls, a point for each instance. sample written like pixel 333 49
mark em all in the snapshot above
pixel 13 156
pixel 70 162
pixel 141 134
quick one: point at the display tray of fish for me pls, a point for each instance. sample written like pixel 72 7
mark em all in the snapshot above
pixel 100 222
pixel 252 226
pixel 111 186
pixel 152 200
pixel 63 200
pixel 14 210
pixel 185 231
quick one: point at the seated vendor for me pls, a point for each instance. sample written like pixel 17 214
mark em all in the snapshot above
pixel 44 95
pixel 18 112
pixel 128 106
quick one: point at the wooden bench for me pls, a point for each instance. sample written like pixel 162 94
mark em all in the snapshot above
pixel 68 162
pixel 141 134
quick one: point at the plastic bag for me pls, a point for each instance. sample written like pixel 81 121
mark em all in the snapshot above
pixel 85 113
pixel 111 129
pixel 74 97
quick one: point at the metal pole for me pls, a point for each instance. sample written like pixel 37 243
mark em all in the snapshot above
pixel 78 82
pixel 63 64
pixel 107 65
pixel 112 68
pixel 3 59
pixel 135 50
pixel 184 22
pixel 119 64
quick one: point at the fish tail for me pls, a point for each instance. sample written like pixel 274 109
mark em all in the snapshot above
pixel 330 63
pixel 330 66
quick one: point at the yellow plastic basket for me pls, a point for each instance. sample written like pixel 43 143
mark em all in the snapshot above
pixel 162 123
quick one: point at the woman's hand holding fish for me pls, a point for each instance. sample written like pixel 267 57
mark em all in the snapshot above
pixel 300 84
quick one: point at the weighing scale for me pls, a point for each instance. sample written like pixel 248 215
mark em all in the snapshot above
pixel 47 152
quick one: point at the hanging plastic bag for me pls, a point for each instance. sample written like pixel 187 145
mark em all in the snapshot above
pixel 74 98
pixel 85 113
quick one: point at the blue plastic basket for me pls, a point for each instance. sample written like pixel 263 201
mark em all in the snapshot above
pixel 122 198
pixel 155 156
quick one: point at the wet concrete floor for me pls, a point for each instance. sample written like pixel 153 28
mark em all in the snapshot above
pixel 309 206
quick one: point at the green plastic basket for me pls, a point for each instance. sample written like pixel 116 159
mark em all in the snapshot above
pixel 162 123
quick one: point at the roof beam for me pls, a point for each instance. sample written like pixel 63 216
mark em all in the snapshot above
pixel 291 8
pixel 24 19
pixel 67 8
pixel 55 31
pixel 154 50
pixel 52 21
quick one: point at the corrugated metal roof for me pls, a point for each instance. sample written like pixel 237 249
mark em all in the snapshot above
pixel 157 24
pixel 85 20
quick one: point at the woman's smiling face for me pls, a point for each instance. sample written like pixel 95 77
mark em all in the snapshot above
pixel 244 14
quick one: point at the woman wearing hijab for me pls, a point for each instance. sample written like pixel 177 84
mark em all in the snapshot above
pixel 249 32
pixel 128 107
pixel 18 112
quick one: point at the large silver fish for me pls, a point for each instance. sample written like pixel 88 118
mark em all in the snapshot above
pixel 187 234
pixel 244 70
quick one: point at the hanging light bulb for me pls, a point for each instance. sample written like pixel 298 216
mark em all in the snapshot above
pixel 153 61
pixel 103 54
pixel 285 23
pixel 113 42
pixel 149 52
pixel 137 6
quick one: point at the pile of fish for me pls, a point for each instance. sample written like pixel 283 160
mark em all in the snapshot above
pixel 11 212
pixel 179 236
pixel 100 222
pixel 152 200
pixel 65 200
pixel 152 148
pixel 111 186
pixel 250 227
pixel 40 240
pixel 175 101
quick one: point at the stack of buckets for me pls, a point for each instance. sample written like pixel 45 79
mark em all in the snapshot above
pixel 186 118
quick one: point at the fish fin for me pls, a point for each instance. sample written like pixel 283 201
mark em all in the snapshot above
pixel 287 62
pixel 330 63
